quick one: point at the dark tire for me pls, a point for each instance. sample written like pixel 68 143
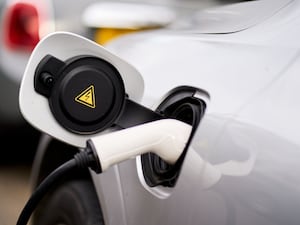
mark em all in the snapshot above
pixel 72 203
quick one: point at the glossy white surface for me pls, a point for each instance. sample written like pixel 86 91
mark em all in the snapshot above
pixel 243 164
pixel 166 138
pixel 12 61
pixel 35 107
pixel 230 18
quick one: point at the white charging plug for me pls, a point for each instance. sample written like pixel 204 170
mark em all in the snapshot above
pixel 166 138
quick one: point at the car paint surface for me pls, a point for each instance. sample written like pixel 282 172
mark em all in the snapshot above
pixel 242 166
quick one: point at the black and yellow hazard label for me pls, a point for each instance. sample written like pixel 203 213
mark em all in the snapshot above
pixel 87 97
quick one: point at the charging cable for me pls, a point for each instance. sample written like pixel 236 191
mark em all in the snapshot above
pixel 167 138
pixel 81 160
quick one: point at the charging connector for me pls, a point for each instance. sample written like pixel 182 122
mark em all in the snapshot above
pixel 81 160
pixel 167 138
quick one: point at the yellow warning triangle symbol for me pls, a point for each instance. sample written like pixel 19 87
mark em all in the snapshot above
pixel 87 97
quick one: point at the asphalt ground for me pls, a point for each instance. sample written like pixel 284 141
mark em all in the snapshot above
pixel 18 150
pixel 14 192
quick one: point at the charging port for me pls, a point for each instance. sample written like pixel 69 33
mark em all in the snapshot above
pixel 184 104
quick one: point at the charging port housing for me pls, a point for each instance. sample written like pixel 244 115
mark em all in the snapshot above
pixel 184 104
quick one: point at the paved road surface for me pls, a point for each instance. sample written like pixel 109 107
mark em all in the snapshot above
pixel 14 192
pixel 15 169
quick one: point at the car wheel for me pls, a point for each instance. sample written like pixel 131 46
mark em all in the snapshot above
pixel 72 203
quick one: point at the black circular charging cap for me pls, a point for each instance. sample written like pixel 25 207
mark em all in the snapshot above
pixel 88 96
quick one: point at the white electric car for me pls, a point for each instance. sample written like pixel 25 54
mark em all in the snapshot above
pixel 230 72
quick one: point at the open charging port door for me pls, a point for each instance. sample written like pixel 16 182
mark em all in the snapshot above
pixel 188 105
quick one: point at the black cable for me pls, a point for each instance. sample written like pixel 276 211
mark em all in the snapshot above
pixel 81 160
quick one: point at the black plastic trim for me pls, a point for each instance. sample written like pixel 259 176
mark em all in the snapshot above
pixel 75 75
pixel 182 105
pixel 61 81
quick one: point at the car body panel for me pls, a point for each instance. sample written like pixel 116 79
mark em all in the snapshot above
pixel 242 165
pixel 127 15
pixel 230 18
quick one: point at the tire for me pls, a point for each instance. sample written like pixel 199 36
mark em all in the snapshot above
pixel 72 203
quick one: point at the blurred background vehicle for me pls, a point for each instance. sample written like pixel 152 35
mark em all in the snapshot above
pixel 111 19
pixel 23 23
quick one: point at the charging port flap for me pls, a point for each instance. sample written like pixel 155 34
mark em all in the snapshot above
pixel 182 104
